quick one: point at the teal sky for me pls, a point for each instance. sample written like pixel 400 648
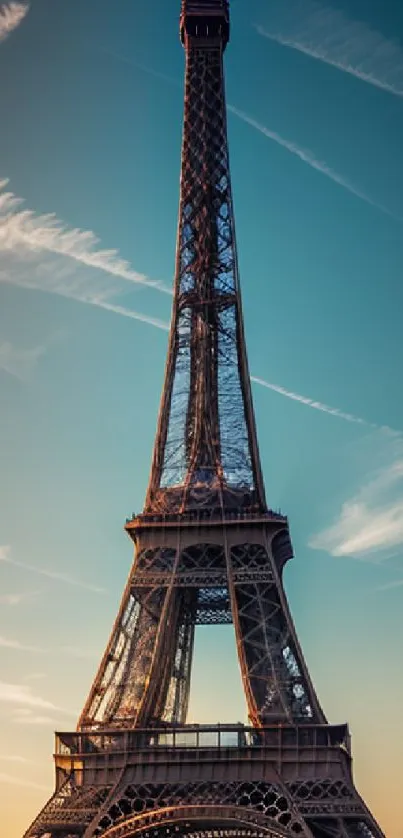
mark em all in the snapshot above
pixel 91 107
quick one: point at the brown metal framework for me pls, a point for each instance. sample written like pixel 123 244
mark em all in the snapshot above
pixel 207 551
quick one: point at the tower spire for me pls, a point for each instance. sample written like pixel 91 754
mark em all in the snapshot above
pixel 206 452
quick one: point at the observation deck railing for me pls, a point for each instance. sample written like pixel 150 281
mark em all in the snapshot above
pixel 215 515
pixel 212 737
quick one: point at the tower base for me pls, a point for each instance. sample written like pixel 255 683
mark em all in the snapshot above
pixel 223 780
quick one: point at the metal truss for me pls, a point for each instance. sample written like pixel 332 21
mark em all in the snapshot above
pixel 145 673
pixel 134 809
pixel 159 782
pixel 272 802
pixel 206 451
pixel 207 551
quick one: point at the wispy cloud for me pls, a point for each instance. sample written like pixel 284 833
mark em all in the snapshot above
pixel 33 719
pixel 20 781
pixel 27 708
pixel 325 408
pixel 398 583
pixel 17 599
pixel 29 232
pixel 17 646
pixel 15 758
pixel 40 253
pixel 28 716
pixel 329 35
pixel 11 15
pixel 370 524
pixel 21 696
pixel 311 160
pixel 19 362
pixel 124 59
pixel 49 574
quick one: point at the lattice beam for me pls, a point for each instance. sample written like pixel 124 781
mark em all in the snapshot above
pixel 206 451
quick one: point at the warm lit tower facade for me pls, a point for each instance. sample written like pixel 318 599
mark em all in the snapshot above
pixel 207 551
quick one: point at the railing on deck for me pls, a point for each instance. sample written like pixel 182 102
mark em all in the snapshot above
pixel 274 737
pixel 205 516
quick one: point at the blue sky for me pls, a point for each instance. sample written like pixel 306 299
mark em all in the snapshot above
pixel 90 142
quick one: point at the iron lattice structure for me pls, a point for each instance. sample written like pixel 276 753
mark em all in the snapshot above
pixel 207 551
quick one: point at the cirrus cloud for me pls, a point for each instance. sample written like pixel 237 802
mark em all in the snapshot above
pixel 19 362
pixel 41 253
pixel 311 160
pixel 49 574
pixel 23 783
pixel 11 15
pixel 331 36
pixel 370 524
pixel 17 646
pixel 21 695
pixel 27 233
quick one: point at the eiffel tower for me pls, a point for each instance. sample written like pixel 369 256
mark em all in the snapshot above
pixel 208 550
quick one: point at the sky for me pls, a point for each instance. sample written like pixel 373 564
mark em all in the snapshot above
pixel 91 107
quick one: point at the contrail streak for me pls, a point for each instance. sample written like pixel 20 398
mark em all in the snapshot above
pixel 19 362
pixel 330 36
pixel 84 296
pixel 391 585
pixel 307 157
pixel 23 231
pixel 52 250
pixel 324 408
pixel 50 574
pixel 320 54
pixel 303 154
pixel 19 781
pixel 7 643
pixel 128 312
pixel 123 59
